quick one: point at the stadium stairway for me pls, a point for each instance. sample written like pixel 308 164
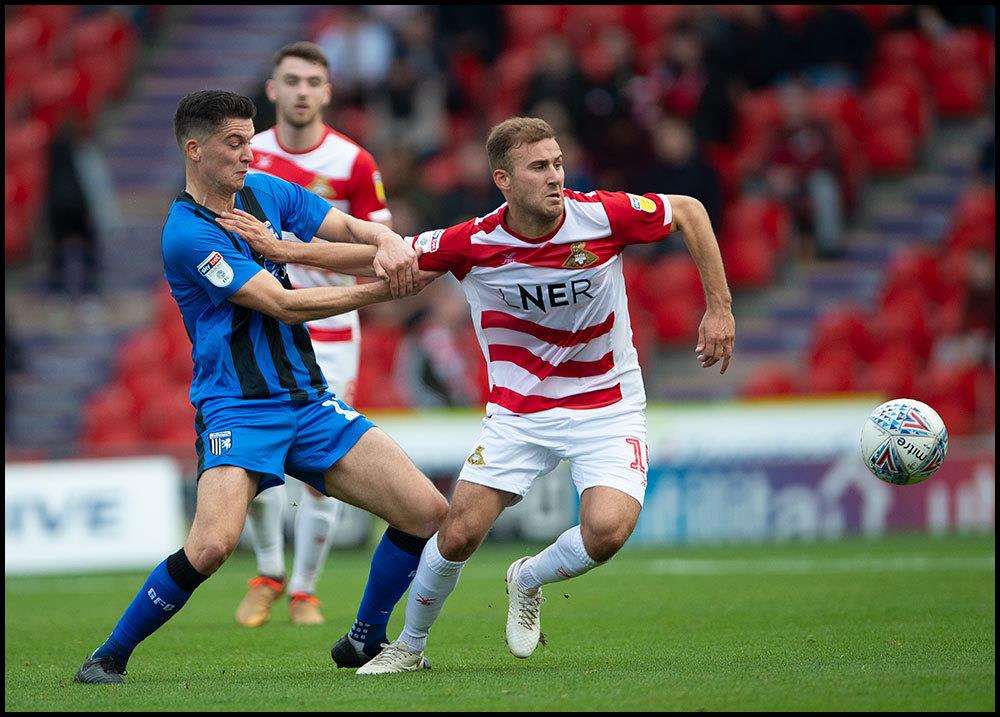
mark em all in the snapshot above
pixel 775 325
pixel 68 345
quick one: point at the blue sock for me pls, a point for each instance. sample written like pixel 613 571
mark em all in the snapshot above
pixel 164 593
pixel 393 566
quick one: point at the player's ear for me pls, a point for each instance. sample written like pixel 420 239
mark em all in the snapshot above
pixel 501 178
pixel 192 149
pixel 327 94
pixel 272 96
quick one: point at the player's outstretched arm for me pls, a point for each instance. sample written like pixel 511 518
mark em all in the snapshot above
pixel 292 306
pixel 393 259
pixel 717 331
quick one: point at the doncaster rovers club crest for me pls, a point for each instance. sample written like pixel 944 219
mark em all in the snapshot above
pixel 579 257
pixel 220 442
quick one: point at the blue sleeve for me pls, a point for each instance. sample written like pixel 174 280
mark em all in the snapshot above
pixel 301 211
pixel 207 259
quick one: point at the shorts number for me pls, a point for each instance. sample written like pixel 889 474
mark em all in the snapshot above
pixel 640 461
pixel 348 414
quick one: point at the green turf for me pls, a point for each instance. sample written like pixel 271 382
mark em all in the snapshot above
pixel 901 624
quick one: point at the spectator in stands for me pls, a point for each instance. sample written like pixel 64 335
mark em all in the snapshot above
pixel 70 217
pixel 557 79
pixel 677 167
pixel 360 50
pixel 752 44
pixel 476 27
pixel 412 99
pixel 434 361
pixel 835 47
pixel 474 193
pixel 686 85
pixel 802 170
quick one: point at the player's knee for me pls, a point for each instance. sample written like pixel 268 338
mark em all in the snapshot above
pixel 208 554
pixel 457 541
pixel 602 541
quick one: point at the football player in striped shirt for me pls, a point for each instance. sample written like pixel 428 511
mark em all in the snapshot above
pixel 543 277
pixel 263 410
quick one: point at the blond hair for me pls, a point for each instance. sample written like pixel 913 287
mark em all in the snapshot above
pixel 511 134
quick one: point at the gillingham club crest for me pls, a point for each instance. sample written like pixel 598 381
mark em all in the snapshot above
pixel 579 257
pixel 220 442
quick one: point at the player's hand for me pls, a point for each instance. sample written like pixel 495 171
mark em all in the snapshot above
pixel 396 262
pixel 259 236
pixel 716 335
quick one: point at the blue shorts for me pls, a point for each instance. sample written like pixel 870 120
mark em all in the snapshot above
pixel 275 437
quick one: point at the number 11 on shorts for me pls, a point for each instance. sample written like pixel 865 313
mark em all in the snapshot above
pixel 641 454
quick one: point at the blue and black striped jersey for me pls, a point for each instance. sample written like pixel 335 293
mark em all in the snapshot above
pixel 240 353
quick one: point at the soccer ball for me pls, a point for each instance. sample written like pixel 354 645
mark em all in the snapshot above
pixel 903 441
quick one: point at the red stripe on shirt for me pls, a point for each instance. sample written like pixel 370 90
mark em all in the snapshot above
pixel 550 256
pixel 343 333
pixel 557 337
pixel 278 166
pixel 518 403
pixel 520 356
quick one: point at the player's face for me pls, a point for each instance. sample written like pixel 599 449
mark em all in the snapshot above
pixel 224 157
pixel 535 183
pixel 299 90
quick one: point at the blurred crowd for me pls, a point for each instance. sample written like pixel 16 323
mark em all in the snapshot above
pixel 772 116
pixel 652 98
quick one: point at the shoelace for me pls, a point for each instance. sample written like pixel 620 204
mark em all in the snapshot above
pixel 392 653
pixel 530 606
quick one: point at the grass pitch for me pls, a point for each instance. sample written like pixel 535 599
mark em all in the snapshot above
pixel 904 623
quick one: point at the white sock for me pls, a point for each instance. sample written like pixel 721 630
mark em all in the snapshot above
pixel 266 534
pixel 313 528
pixel 566 558
pixel 435 579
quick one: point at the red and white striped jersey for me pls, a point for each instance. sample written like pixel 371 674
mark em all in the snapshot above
pixel 342 172
pixel 551 313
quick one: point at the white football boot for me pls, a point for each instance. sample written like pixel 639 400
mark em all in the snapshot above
pixel 524 623
pixel 395 657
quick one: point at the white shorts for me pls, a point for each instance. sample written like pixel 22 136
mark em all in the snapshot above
pixel 338 360
pixel 512 451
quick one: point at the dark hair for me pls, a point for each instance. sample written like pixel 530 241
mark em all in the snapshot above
pixel 201 112
pixel 304 50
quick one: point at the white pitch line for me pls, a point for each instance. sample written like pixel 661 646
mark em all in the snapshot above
pixel 908 563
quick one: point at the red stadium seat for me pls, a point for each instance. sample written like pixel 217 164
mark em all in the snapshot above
pixel 669 277
pixel 526 23
pixel 894 373
pixel 905 322
pixel 23 35
pixel 837 371
pixel 54 95
pixel 891 101
pixel 771 379
pixel 890 148
pixel 676 318
pixel 912 268
pixel 758 114
pixel 757 216
pixel 904 49
pixel 878 16
pixel 842 328
pixel 376 382
pixel 974 221
pixel 749 261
